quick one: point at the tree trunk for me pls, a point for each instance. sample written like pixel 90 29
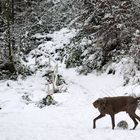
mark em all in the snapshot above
pixel 9 13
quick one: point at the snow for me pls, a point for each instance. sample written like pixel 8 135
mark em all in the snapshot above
pixel 71 118
pixel 60 39
pixel 38 36
pixel 108 15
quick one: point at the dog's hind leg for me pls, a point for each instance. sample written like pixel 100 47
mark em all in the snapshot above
pixel 113 121
pixel 137 117
pixel 133 117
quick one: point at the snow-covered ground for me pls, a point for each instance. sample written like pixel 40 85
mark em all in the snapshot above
pixel 72 117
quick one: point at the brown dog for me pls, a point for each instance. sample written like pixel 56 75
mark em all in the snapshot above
pixel 113 105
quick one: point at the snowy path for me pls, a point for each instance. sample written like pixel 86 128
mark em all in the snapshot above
pixel 72 118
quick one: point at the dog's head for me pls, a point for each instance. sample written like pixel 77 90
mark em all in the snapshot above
pixel 99 103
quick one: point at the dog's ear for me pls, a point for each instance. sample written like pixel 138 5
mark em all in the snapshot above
pixel 102 104
pixel 101 101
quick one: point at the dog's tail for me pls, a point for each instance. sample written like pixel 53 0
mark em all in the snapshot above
pixel 138 102
pixel 137 98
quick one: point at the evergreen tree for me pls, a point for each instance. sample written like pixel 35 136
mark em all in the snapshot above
pixel 105 34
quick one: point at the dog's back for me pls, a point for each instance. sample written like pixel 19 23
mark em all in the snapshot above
pixel 121 103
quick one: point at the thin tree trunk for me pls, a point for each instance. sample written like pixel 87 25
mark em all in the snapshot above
pixel 10 25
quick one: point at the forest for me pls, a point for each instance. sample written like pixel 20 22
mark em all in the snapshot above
pixel 107 32
pixel 57 57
